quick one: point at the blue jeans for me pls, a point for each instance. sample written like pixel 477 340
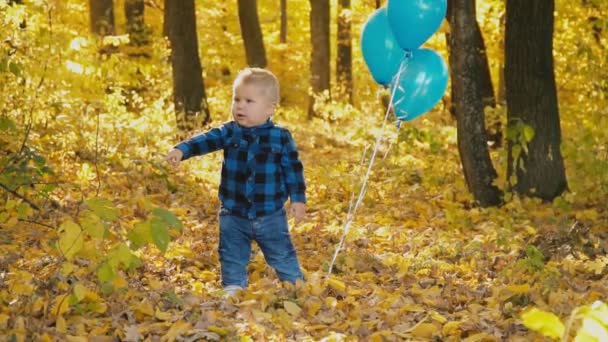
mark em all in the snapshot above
pixel 271 233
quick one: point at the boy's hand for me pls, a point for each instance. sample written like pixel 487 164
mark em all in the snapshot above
pixel 298 210
pixel 174 157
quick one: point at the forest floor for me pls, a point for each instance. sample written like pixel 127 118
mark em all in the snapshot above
pixel 420 261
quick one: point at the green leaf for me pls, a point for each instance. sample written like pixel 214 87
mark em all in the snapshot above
pixel 516 152
pixel 545 323
pixel 512 132
pixel 102 208
pixel 93 225
pixel 599 311
pixel 140 235
pixel 160 234
pixel 70 239
pixel 591 330
pixel 528 134
pixel 79 291
pixel 7 124
pixel 120 254
pixel 105 273
pixel 167 216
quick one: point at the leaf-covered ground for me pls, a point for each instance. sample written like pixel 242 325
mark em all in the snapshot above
pixel 420 261
pixel 82 136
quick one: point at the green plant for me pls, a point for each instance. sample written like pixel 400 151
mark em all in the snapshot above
pixel 593 318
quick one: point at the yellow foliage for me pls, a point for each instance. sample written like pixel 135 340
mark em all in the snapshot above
pixel 420 262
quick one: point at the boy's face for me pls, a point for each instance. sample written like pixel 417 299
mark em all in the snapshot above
pixel 251 106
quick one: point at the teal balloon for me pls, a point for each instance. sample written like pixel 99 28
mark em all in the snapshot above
pixel 413 22
pixel 420 84
pixel 381 52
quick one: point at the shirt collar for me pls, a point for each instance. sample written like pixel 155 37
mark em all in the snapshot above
pixel 267 124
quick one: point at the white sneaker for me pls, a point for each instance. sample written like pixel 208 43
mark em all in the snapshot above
pixel 231 290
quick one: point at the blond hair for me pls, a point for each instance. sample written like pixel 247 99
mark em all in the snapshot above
pixel 261 77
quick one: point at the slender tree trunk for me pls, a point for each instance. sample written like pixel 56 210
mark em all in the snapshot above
pixel 319 61
pixel 252 33
pixel 501 98
pixel 189 95
pixel 532 99
pixel 344 73
pixel 283 36
pixel 134 11
pixel 378 4
pixel 101 15
pixel 494 131
pixel 467 66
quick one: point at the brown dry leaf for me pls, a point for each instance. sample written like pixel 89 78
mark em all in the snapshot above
pixel 132 334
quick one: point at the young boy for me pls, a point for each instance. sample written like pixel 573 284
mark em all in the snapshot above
pixel 261 169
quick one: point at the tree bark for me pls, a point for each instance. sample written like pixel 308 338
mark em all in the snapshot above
pixel 320 51
pixel 101 15
pixel 189 95
pixel 252 33
pixel 532 98
pixel 134 11
pixel 283 35
pixel 344 74
pixel 467 66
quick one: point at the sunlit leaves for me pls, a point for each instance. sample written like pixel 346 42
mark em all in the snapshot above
pixel 546 323
pixel 102 208
pixel 168 218
pixel 71 239
pixel 160 234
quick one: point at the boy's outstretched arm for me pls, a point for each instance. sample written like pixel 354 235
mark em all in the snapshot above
pixel 174 157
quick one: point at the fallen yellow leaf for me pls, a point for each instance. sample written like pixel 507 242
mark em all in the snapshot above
pixel 176 330
pixel 424 330
pixel 336 284
pixel 163 316
pixel 218 330
pixel 292 308
pixel 60 305
pixel 60 325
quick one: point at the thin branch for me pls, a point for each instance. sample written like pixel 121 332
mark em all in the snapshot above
pixel 18 195
pixel 97 155
pixel 38 223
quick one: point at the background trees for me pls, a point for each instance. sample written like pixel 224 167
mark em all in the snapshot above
pixel 189 96
pixel 535 160
pixel 320 51
pixel 82 134
pixel 252 33
pixel 470 83
pixel 101 15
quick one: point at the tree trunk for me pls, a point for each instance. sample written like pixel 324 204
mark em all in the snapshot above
pixel 189 95
pixel 344 73
pixel 101 15
pixel 467 66
pixel 252 33
pixel 501 98
pixel 532 99
pixel 494 131
pixel 378 4
pixel 134 11
pixel 319 59
pixel 283 36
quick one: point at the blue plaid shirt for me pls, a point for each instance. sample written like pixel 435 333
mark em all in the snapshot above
pixel 260 170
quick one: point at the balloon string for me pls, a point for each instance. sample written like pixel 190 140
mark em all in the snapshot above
pixel 352 209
